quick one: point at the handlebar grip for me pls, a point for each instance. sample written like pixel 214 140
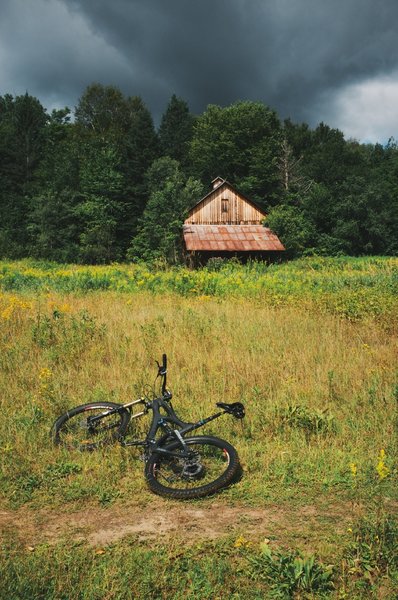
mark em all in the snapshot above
pixel 164 361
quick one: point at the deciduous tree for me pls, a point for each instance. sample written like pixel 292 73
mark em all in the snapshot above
pixel 159 232
pixel 239 142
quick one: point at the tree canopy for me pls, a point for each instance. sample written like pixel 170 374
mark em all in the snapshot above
pixel 103 184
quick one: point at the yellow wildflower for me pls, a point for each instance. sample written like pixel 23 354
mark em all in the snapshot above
pixel 381 468
pixel 7 312
pixel 242 542
pixel 353 469
pixel 45 374
pixel 14 304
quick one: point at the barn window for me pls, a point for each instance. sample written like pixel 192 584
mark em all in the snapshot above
pixel 224 205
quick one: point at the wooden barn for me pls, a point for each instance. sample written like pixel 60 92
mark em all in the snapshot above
pixel 225 223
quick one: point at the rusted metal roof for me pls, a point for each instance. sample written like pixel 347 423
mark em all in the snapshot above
pixel 231 238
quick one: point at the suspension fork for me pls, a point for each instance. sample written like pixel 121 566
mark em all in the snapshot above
pixel 118 409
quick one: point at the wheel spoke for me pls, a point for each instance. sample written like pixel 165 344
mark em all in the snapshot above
pixel 78 429
pixel 204 465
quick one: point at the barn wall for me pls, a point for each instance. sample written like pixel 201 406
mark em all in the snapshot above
pixel 237 211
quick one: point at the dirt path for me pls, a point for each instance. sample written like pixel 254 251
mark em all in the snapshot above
pixel 161 521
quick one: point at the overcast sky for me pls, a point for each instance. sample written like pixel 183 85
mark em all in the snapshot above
pixel 313 60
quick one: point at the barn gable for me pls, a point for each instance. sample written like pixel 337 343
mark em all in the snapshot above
pixel 225 221
pixel 224 204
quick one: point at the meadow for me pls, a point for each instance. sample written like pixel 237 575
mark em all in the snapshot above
pixel 310 348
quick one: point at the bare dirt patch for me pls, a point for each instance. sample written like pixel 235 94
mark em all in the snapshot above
pixel 162 521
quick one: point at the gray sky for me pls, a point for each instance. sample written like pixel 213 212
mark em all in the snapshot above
pixel 313 60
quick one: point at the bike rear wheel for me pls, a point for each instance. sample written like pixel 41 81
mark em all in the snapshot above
pixel 212 464
pixel 76 430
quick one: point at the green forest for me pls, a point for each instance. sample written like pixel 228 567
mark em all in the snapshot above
pixel 102 184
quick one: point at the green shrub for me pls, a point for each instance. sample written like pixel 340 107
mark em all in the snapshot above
pixel 288 573
pixel 311 422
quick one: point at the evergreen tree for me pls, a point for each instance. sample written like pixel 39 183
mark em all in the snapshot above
pixel 104 116
pixel 140 149
pixel 22 125
pixel 176 131
pixel 101 184
pixel 54 226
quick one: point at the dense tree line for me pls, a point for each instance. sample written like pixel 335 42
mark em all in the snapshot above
pixel 104 185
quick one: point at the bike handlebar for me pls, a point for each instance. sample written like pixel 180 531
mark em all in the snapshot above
pixel 162 372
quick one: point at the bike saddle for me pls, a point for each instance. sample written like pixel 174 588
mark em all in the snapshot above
pixel 236 409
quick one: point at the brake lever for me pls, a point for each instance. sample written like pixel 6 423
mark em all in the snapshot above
pixel 161 369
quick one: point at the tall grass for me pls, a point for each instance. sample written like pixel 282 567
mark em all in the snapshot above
pixel 351 287
pixel 319 384
pixel 320 392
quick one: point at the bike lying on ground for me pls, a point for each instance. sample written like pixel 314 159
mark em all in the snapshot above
pixel 176 465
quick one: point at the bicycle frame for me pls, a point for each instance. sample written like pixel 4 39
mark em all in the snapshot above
pixel 178 464
pixel 159 421
pixel 163 421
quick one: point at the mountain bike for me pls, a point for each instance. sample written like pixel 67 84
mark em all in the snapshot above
pixel 177 465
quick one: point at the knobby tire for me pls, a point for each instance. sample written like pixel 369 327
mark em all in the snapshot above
pixel 73 431
pixel 165 475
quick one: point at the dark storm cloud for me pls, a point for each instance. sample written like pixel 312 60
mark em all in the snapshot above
pixel 286 53
pixel 50 53
pixel 195 49
pixel 295 55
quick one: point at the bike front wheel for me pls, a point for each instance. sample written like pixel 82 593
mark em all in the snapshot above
pixel 76 429
pixel 210 465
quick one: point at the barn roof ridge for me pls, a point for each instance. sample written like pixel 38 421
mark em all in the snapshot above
pixel 226 182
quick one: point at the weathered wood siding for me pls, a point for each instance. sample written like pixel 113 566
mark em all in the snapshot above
pixel 224 205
